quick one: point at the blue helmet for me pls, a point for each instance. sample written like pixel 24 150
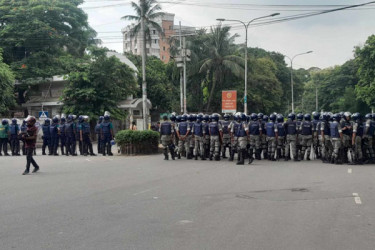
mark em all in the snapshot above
pixel 107 117
pixel 243 117
pixel 206 118
pixel 178 118
pixel 199 118
pixel 173 118
pixel 55 120
pixel 254 117
pixel 316 115
pixel 265 118
pixel 24 122
pixel 307 117
pixel 190 118
pixel 356 116
pixel 299 117
pixel 4 122
pixel 47 122
pixel 215 117
pixel 226 117
pixel 101 118
pixel 14 121
pixel 280 118
pixel 80 118
pixel 368 116
pixel 70 118
pixel 273 117
pixel 63 120
pixel 336 117
pixel 210 118
pixel 326 116
pixel 292 116
pixel 183 118
pixel 260 116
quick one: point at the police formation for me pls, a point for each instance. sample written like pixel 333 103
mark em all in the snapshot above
pixel 65 133
pixel 333 138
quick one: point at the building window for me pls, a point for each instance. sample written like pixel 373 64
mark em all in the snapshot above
pixel 163 48
pixel 136 112
pixel 156 41
pixel 148 51
pixel 163 57
pixel 135 51
pixel 171 27
pixel 154 32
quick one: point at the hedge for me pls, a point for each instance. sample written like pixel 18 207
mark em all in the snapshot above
pixel 137 142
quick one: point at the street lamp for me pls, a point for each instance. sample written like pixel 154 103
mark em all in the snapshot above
pixel 291 73
pixel 246 25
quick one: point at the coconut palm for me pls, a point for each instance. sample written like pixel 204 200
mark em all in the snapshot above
pixel 220 60
pixel 151 10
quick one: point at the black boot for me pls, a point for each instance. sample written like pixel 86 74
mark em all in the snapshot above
pixel 91 150
pixel 172 155
pixel 223 153
pixel 211 156
pixel 231 157
pixel 251 159
pixel 241 157
pixel 166 156
pixel 196 157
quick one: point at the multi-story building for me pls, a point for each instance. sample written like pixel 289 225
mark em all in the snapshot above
pixel 158 45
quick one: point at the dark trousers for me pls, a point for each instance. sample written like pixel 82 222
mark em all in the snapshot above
pixel 106 144
pixel 29 159
pixel 14 144
pixel 54 144
pixel 62 143
pixel 23 146
pixel 99 143
pixel 4 145
pixel 46 143
pixel 80 148
pixel 87 145
pixel 70 145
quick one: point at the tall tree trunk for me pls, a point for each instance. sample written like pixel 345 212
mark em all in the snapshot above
pixel 214 79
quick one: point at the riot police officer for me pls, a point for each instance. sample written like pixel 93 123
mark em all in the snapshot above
pixel 106 132
pixel 226 135
pixel 206 135
pixel 4 135
pixel 234 128
pixel 46 137
pixel 347 130
pixel 368 138
pixel 70 132
pixel 84 133
pixel 242 135
pixel 197 131
pixel 62 135
pixel 54 131
pixel 189 139
pixel 255 132
pixel 316 145
pixel 299 137
pixel 291 138
pixel 306 137
pixel 281 137
pixel 272 136
pixel 182 131
pixel 14 132
pixel 166 137
pixel 97 132
pixel 78 125
pixel 325 138
pixel 358 130
pixel 216 137
pixel 336 138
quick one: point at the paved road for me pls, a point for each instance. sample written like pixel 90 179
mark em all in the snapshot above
pixel 147 203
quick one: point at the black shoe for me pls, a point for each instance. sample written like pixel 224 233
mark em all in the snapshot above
pixel 7 154
pixel 251 159
pixel 44 153
pixel 92 154
pixel 25 172
pixel 110 154
pixel 308 158
pixel 35 170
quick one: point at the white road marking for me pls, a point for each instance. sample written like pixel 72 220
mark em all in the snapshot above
pixel 145 191
pixel 155 198
pixel 107 158
pixel 88 160
pixel 183 222
pixel 350 171
pixel 357 199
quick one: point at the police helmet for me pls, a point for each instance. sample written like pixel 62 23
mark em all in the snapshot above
pixel 55 120
pixel 14 121
pixel 70 118
pixel 189 118
pixel 265 118
pixel 254 117
pixel 173 118
pixel 206 118
pixel 210 118
pixel 178 118
pixel 243 117
pixel 106 117
pixel 347 114
pixel 86 118
pixel 299 117
pixel 341 114
pixel 226 117
pixel 199 118
pixel 292 116
pixel 336 117
pixel 272 117
pixel 24 122
pixel 74 117
pixel 47 122
pixel 316 115
pixel 215 117
pixel 63 120
pixel 356 116
pixel 307 117
pixel 280 118
pixel 194 117
pixel 260 116
pixel 368 116
pixel 4 122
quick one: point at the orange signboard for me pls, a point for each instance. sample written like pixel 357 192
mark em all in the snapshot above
pixel 229 101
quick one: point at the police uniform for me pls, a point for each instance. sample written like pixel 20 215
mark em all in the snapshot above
pixel 206 141
pixel 335 131
pixel 183 145
pixel 291 139
pixel 255 131
pixel 46 139
pixel 14 142
pixel 54 132
pixel 316 144
pixel 234 128
pixel 166 133
pixel 263 140
pixel 271 132
pixel 226 137
pixel 198 140
pixel 368 139
pixel 280 140
pixel 325 141
pixel 97 132
pixel 215 129
pixel 242 142
pixel 346 128
pixel 105 130
pixel 62 138
pixel 306 139
pixel 70 132
pixel 86 141
pixel 358 130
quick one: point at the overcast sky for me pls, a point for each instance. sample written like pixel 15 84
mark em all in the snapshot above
pixel 331 36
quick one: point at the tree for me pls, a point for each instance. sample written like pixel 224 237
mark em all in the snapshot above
pixel 221 60
pixel 98 86
pixel 365 57
pixel 7 99
pixel 37 36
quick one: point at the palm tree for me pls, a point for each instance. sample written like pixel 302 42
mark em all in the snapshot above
pixel 221 60
pixel 151 10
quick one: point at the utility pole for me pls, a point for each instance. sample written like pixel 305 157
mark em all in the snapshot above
pixel 181 79
pixel 144 84
pixel 184 55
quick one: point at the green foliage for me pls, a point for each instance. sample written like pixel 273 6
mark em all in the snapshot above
pixel 365 57
pixel 98 85
pixel 149 137
pixel 39 36
pixel 7 99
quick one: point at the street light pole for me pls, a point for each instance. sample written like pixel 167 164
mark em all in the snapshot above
pixel 291 74
pixel 246 25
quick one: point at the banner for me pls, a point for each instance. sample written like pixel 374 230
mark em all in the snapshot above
pixel 229 101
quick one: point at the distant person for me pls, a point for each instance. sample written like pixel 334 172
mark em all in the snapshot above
pixel 4 135
pixel 133 126
pixel 30 141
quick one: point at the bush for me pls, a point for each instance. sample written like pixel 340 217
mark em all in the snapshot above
pixel 137 142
